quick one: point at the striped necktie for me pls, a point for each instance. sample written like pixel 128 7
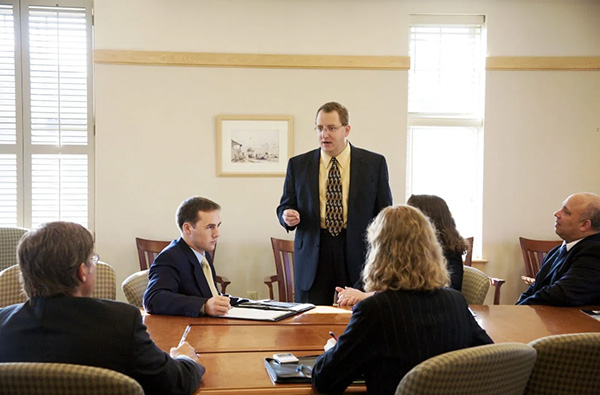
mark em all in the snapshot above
pixel 334 211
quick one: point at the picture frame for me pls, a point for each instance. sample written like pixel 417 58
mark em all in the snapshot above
pixel 253 145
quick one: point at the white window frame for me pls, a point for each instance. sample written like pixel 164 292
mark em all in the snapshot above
pixel 24 149
pixel 448 119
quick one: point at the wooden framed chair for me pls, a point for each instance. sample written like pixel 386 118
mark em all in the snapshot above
pixel 24 378
pixel 149 249
pixel 476 285
pixel 468 260
pixel 566 364
pixel 134 287
pixel 534 252
pixel 491 369
pixel 9 239
pixel 283 252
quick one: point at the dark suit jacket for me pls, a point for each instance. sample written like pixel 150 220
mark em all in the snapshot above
pixel 454 263
pixel 391 332
pixel 177 285
pixel 93 332
pixel 573 280
pixel 369 193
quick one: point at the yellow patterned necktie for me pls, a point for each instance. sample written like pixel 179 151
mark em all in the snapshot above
pixel 334 211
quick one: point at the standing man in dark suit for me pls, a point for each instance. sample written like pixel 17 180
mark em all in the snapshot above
pixel 570 273
pixel 181 279
pixel 61 323
pixel 329 197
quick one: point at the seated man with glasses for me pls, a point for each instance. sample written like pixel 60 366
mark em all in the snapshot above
pixel 330 195
pixel 61 323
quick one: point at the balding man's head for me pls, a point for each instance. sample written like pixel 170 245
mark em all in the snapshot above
pixel 579 216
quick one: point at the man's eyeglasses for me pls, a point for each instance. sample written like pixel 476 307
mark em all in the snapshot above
pixel 329 128
pixel 95 258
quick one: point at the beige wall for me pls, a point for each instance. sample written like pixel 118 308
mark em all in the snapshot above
pixel 155 142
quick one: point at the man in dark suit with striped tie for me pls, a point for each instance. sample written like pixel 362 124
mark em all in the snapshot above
pixel 570 273
pixel 330 195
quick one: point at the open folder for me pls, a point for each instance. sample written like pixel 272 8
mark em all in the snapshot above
pixel 266 310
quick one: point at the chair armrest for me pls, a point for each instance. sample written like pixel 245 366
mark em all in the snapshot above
pixel 497 283
pixel 269 280
pixel 224 281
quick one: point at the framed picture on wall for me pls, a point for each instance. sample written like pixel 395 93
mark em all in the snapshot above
pixel 253 145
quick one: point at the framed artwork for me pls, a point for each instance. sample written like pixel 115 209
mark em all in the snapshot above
pixel 253 145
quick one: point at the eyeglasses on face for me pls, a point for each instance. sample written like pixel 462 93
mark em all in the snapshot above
pixel 330 128
pixel 95 258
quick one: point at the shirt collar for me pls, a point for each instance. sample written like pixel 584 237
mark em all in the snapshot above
pixel 343 158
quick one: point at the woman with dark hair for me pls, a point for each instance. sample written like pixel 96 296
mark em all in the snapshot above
pixel 411 317
pixel 453 245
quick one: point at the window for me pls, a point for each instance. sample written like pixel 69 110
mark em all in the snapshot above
pixel 46 123
pixel 445 119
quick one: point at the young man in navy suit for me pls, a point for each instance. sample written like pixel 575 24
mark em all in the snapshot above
pixel 570 274
pixel 329 246
pixel 60 323
pixel 181 279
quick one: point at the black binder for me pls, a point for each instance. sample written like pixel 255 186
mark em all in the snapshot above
pixel 299 372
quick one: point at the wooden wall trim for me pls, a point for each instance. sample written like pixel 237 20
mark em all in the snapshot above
pixel 532 63
pixel 202 59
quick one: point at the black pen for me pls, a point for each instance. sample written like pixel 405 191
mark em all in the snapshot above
pixel 333 335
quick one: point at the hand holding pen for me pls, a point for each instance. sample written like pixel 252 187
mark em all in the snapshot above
pixel 330 342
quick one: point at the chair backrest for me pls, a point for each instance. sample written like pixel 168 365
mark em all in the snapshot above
pixel 469 255
pixel 566 364
pixel 106 282
pixel 134 287
pixel 534 252
pixel 9 239
pixel 491 369
pixel 283 251
pixel 475 285
pixel 148 250
pixel 11 289
pixel 24 378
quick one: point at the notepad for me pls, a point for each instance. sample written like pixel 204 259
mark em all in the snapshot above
pixel 266 310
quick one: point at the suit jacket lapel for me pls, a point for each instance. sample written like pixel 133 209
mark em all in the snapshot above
pixel 312 171
pixel 356 166
pixel 196 268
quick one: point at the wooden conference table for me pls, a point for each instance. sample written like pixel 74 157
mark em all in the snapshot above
pixel 233 351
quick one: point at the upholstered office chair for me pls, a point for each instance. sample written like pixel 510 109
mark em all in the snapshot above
pixel 476 285
pixel 9 239
pixel 283 251
pixel 11 290
pixel 149 249
pixel 106 282
pixel 134 287
pixel 533 254
pixel 468 260
pixel 25 378
pixel 491 369
pixel 566 364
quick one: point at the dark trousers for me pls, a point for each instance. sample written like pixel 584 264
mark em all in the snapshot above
pixel 331 271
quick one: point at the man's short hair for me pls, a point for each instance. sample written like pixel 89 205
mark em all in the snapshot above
pixel 337 107
pixel 50 256
pixel 188 210
pixel 593 214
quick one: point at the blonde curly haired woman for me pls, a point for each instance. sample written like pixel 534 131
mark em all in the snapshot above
pixel 412 316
